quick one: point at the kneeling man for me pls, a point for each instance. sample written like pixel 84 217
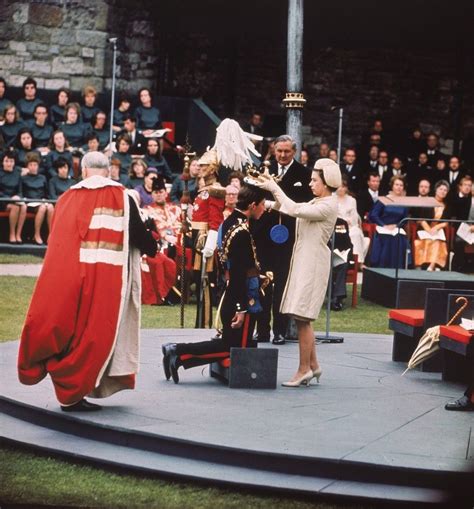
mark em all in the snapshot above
pixel 240 302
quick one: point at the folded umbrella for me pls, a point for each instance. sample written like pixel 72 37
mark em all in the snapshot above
pixel 429 342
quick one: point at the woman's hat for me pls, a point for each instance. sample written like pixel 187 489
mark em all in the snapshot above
pixel 331 171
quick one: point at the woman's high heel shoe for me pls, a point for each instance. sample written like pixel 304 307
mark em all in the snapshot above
pixel 317 374
pixel 304 380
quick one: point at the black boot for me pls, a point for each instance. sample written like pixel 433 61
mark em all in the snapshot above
pixel 169 351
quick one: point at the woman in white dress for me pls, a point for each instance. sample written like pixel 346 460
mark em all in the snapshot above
pixel 310 262
pixel 347 207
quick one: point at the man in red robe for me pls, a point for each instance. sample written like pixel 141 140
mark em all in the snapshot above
pixel 82 326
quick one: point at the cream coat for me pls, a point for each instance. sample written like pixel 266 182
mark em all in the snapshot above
pixel 310 263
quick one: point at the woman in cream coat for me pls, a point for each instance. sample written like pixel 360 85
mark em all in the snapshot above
pixel 309 270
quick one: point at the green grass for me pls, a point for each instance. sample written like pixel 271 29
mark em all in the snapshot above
pixel 17 258
pixel 32 479
pixel 15 294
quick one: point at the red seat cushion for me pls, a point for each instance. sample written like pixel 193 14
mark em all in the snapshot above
pixel 456 333
pixel 414 317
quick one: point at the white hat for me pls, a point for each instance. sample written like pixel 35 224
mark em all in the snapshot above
pixel 331 171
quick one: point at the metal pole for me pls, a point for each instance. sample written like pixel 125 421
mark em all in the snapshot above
pixel 113 40
pixel 294 100
pixel 327 338
pixel 339 136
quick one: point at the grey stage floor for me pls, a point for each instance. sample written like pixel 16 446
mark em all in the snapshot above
pixel 363 409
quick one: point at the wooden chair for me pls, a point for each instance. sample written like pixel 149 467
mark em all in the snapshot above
pixel 351 278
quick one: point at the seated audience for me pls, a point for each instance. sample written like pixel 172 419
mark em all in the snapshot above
pixel 304 159
pixel 89 109
pixel 92 143
pixel 371 163
pixel 424 188
pixel 178 187
pixel 342 257
pixel 10 187
pixel 231 193
pixel 4 101
pixel 61 182
pixel 462 208
pixel 352 170
pixel 347 210
pixel 73 127
pixel 24 144
pixel 415 145
pixel 57 111
pixel 387 237
pixel 368 196
pixel 144 190
pixel 137 140
pixel 159 273
pixel 58 147
pixel 40 129
pixel 432 253
pixel 438 172
pixel 455 172
pixel 333 154
pixel 137 172
pixel 35 186
pixel 117 175
pixel 100 128
pixel 148 117
pixel 416 171
pixel 432 149
pixel 26 105
pixel 123 153
pixel 123 109
pixel 12 124
pixel 154 158
pixel 383 171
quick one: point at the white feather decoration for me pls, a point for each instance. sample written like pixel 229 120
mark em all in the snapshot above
pixel 233 145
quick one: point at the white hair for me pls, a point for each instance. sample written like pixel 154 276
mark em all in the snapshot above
pixel 95 160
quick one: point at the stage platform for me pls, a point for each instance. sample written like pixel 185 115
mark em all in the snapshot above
pixel 365 432
pixel 380 285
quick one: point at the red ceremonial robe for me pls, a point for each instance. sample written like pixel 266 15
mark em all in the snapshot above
pixel 83 322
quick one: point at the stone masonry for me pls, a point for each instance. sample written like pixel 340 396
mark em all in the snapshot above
pixel 65 43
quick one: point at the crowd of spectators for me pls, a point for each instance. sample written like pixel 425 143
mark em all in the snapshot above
pixel 41 146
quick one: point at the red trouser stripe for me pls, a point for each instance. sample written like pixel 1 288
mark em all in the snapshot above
pixel 188 356
pixel 245 331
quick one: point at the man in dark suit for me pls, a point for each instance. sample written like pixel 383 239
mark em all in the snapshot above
pixel 461 208
pixel 455 172
pixel 351 168
pixel 367 197
pixel 383 171
pixel 432 149
pixel 138 145
pixel 294 179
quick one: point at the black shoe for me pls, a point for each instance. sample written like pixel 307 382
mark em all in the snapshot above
pixel 336 306
pixel 463 404
pixel 168 350
pixel 174 368
pixel 261 338
pixel 278 339
pixel 81 406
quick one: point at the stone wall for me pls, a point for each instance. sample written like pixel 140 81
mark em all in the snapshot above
pixel 65 43
pixel 405 87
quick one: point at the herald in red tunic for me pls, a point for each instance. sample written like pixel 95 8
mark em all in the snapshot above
pixel 83 322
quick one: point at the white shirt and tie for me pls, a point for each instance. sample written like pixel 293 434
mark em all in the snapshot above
pixel 453 175
pixel 374 195
pixel 282 169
